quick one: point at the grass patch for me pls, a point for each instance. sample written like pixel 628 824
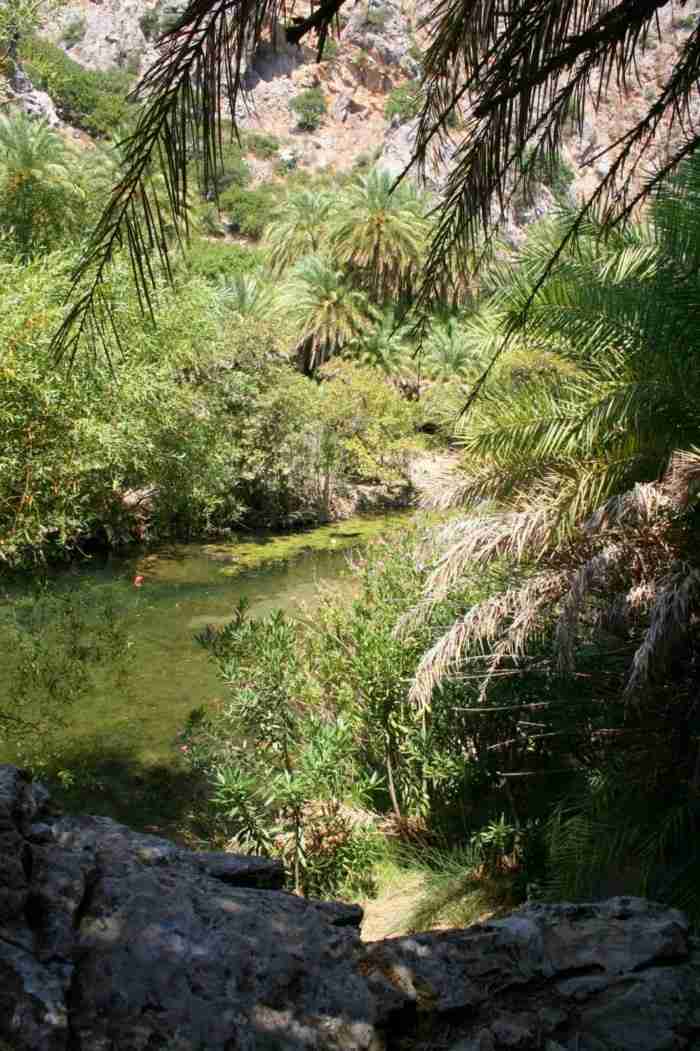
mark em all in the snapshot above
pixel 74 31
pixel 261 145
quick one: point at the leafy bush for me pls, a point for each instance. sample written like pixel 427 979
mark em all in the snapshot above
pixel 377 17
pixel 232 170
pixel 74 31
pixel 249 211
pixel 310 107
pixel 168 20
pixel 90 99
pixel 218 261
pixel 131 63
pixel 280 772
pixel 404 102
pixel 416 52
pixel 317 728
pixel 74 444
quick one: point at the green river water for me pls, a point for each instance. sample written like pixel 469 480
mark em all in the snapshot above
pixel 119 746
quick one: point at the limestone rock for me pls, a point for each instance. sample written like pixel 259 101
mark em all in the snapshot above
pixel 35 103
pixel 399 147
pixel 607 976
pixel 380 28
pixel 111 940
pixel 113 35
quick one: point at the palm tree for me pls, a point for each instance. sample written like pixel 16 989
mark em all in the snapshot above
pixel 326 312
pixel 582 477
pixel 41 200
pixel 298 228
pixel 446 352
pixel 248 296
pixel 385 343
pixel 589 453
pixel 380 232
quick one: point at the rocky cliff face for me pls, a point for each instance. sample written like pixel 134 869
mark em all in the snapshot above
pixel 115 941
pixel 377 50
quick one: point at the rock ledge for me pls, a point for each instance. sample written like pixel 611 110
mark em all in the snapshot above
pixel 111 940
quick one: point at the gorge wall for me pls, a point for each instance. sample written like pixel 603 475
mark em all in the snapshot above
pixel 111 940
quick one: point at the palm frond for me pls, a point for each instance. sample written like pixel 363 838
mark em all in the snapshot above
pixel 518 73
pixel 195 85
pixel 677 596
pixel 497 629
pixel 594 573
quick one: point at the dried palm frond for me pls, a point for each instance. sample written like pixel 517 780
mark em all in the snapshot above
pixel 677 597
pixel 594 573
pixel 632 508
pixel 682 478
pixel 515 535
pixel 622 577
pixel 497 628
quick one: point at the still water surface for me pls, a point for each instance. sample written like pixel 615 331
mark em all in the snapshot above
pixel 184 588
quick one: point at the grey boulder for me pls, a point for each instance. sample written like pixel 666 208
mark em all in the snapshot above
pixel 111 940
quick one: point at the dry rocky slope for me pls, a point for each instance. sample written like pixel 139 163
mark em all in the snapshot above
pixel 111 940
pixel 376 51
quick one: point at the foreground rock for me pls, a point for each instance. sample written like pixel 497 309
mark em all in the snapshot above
pixel 115 941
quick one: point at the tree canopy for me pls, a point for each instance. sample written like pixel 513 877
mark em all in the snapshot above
pixel 517 72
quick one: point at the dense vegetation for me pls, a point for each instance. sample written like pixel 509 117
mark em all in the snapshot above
pixel 523 681
pixel 201 419
pixel 512 695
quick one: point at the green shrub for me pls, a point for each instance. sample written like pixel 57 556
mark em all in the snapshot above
pixel 262 145
pixel 233 170
pixel 88 98
pixel 218 261
pixel 74 442
pixel 168 20
pixel 280 771
pixel 288 163
pixel 249 211
pixel 309 106
pixel 74 31
pixel 362 162
pixel 404 102
pixel 415 52
pixel 149 23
